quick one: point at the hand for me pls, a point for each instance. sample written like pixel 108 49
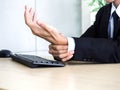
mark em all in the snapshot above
pixel 60 52
pixel 43 30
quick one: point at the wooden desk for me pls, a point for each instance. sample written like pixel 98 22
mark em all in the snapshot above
pixel 14 76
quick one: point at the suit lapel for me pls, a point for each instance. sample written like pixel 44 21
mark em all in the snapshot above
pixel 105 20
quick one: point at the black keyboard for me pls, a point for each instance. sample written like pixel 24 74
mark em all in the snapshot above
pixel 36 61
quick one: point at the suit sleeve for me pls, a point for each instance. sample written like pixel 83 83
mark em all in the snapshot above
pixel 97 50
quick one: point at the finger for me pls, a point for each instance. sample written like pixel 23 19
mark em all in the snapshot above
pixel 30 9
pixel 64 59
pixel 35 16
pixel 27 16
pixel 25 7
pixel 57 52
pixel 57 58
pixel 64 55
pixel 67 58
pixel 58 47
pixel 61 56
pixel 32 14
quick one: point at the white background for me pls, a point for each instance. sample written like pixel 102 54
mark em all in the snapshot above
pixel 65 15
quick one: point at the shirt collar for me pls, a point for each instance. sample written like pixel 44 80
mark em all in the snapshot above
pixel 117 9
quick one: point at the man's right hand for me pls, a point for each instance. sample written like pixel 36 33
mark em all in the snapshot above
pixel 42 29
pixel 60 52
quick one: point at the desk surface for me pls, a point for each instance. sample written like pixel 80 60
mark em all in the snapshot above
pixel 74 76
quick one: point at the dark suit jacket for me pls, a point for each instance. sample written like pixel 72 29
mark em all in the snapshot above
pixel 94 44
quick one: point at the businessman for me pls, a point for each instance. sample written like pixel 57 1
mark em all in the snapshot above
pixel 100 43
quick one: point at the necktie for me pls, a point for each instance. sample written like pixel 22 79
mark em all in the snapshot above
pixel 115 19
pixel 112 24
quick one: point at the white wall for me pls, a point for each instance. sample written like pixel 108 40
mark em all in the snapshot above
pixel 85 16
pixel 16 36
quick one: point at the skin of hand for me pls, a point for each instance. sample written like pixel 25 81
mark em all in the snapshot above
pixel 60 52
pixel 43 30
pixel 59 43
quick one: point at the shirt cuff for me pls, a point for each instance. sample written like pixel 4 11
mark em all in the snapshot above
pixel 71 44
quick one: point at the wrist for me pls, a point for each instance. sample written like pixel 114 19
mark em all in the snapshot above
pixel 61 41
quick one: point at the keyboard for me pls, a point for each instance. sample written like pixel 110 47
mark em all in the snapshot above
pixel 36 61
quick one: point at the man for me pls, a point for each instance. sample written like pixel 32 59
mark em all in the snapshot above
pixel 100 43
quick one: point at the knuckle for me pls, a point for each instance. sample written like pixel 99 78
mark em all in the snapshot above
pixel 56 47
pixel 60 56
pixel 65 47
pixel 59 52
